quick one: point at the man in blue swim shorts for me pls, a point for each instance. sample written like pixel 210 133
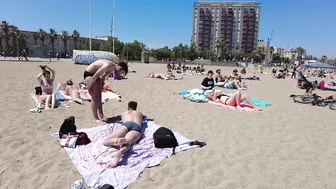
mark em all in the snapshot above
pixel 127 134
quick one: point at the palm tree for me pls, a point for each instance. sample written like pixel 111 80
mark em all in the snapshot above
pixel 75 36
pixel 260 51
pixel 35 37
pixel 5 29
pixel 13 32
pixel 300 51
pixel 65 38
pixel 220 45
pixel 52 37
pixel 324 58
pixel 42 35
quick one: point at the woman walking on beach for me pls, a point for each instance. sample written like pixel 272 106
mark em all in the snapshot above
pixel 47 85
pixel 94 77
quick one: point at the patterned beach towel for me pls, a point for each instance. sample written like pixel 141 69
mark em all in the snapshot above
pixel 91 159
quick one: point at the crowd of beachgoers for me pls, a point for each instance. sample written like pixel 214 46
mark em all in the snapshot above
pixel 95 82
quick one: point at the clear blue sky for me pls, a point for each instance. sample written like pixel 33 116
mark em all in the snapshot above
pixel 306 23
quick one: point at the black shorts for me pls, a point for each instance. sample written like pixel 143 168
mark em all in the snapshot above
pixel 87 74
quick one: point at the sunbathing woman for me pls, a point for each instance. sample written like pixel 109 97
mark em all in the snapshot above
pixel 47 85
pixel 159 76
pixel 234 100
pixel 76 94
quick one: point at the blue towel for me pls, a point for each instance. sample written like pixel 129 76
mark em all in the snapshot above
pixel 258 103
pixel 221 86
pixel 185 92
pixel 59 97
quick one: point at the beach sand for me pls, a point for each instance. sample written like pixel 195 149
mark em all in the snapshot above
pixel 286 145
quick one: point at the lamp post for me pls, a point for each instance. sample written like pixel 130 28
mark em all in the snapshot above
pixel 90 23
pixel 113 27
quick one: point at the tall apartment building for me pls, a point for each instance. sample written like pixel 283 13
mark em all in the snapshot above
pixel 237 23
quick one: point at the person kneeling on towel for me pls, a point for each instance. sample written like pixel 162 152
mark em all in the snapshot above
pixel 127 134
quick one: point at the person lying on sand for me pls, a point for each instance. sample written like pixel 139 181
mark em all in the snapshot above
pixel 94 77
pixel 46 82
pixel 161 76
pixel 127 134
pixel 76 94
pixel 234 100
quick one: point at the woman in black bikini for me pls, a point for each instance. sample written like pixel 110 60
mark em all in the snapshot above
pixel 234 100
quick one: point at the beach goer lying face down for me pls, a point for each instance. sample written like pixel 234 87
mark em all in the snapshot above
pixel 94 77
pixel 127 134
pixel 234 100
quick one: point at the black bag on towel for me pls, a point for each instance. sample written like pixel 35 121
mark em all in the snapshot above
pixel 165 138
pixel 68 127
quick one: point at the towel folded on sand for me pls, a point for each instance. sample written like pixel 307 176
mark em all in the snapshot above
pixel 91 159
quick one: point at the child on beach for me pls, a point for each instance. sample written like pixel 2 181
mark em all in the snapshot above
pixel 94 77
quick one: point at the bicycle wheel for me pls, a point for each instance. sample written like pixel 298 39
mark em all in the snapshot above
pixel 303 99
pixel 332 106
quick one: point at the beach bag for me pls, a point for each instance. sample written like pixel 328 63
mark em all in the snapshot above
pixel 68 127
pixel 165 138
pixel 38 90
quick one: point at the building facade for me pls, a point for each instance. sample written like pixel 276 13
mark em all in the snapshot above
pixel 236 23
pixel 261 43
pixel 36 48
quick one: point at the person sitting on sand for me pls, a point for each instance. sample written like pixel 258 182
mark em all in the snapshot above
pixel 76 94
pixel 233 83
pixel 208 83
pixel 219 78
pixel 48 97
pixel 281 75
pixel 243 71
pixel 94 76
pixel 126 135
pixel 232 100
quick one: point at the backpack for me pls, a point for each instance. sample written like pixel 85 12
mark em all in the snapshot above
pixel 165 138
pixel 68 126
pixel 38 90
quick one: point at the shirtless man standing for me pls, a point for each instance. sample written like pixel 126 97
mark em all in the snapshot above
pixel 94 77
pixel 127 134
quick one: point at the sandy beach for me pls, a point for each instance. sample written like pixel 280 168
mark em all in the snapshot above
pixel 286 145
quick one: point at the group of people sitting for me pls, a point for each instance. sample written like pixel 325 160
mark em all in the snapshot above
pixel 208 87
pixel 233 81
pixel 78 93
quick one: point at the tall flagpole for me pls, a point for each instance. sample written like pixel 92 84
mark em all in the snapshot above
pixel 113 28
pixel 90 23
